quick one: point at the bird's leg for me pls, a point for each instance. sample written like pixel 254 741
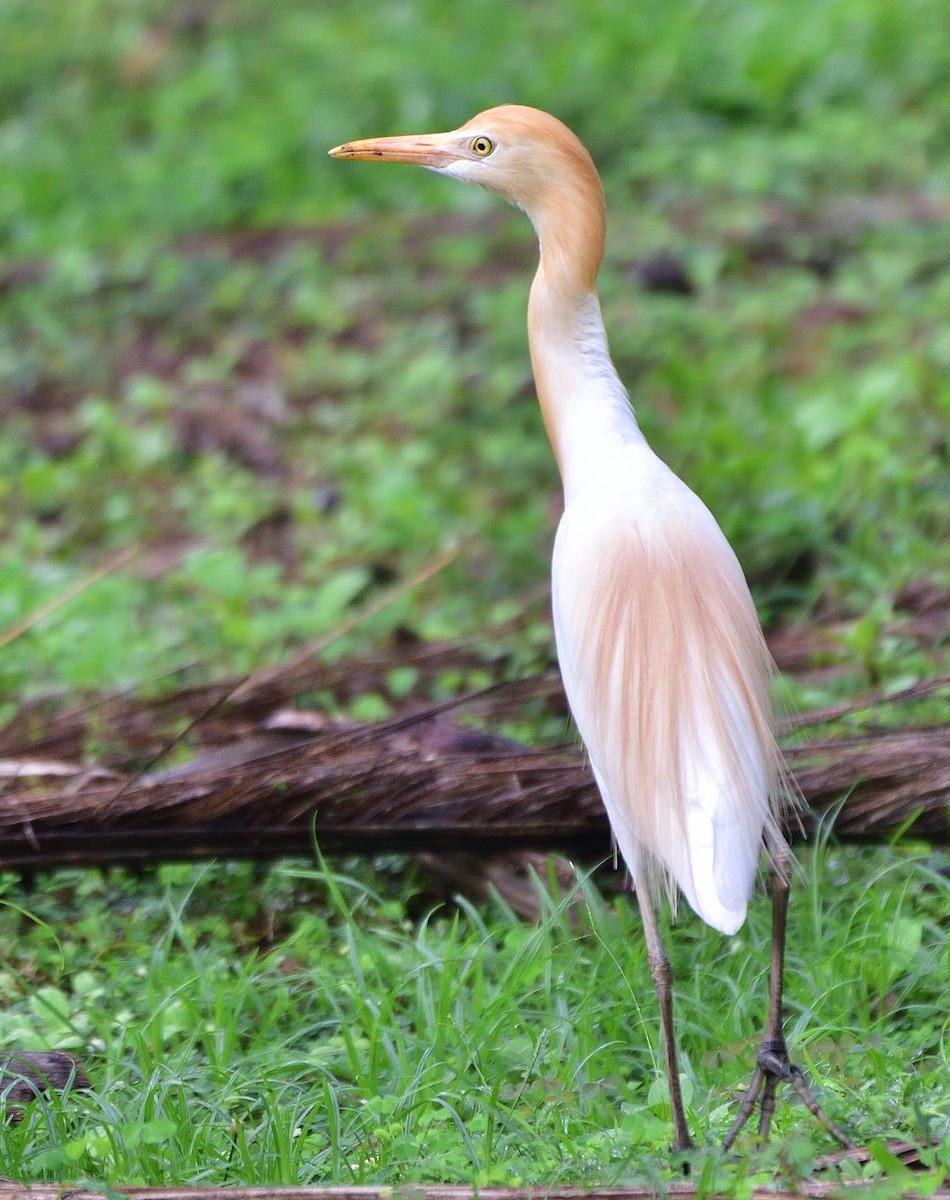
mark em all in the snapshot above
pixel 663 984
pixel 773 1065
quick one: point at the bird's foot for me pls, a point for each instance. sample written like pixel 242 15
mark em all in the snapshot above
pixel 773 1067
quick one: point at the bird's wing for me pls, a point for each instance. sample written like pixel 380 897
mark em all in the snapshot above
pixel 667 675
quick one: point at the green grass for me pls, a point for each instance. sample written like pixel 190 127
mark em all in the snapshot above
pixel 292 383
pixel 359 1045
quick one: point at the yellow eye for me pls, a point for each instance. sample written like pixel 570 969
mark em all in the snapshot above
pixel 482 146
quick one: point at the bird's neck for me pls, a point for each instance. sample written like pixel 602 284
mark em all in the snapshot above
pixel 585 407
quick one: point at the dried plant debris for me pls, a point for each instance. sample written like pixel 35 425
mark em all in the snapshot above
pixel 268 777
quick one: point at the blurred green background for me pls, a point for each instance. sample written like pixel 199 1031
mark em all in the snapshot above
pixel 125 119
pixel 292 381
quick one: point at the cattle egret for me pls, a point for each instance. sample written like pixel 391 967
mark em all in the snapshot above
pixel 663 659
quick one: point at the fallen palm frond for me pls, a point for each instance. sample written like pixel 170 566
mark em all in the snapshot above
pixel 270 779
pixel 127 728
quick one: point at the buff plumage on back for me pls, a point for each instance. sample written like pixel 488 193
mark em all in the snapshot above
pixel 667 673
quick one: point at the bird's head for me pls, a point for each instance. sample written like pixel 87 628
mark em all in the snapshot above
pixel 524 155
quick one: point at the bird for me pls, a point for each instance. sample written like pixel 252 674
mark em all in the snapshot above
pixel 661 653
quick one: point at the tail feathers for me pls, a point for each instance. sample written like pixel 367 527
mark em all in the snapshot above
pixel 718 898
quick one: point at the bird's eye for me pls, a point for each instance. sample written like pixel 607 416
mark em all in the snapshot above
pixel 482 146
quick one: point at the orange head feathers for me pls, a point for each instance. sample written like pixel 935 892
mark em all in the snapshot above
pixel 530 159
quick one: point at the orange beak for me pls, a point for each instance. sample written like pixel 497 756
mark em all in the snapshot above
pixel 422 150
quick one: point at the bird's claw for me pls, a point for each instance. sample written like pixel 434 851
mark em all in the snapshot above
pixel 773 1066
